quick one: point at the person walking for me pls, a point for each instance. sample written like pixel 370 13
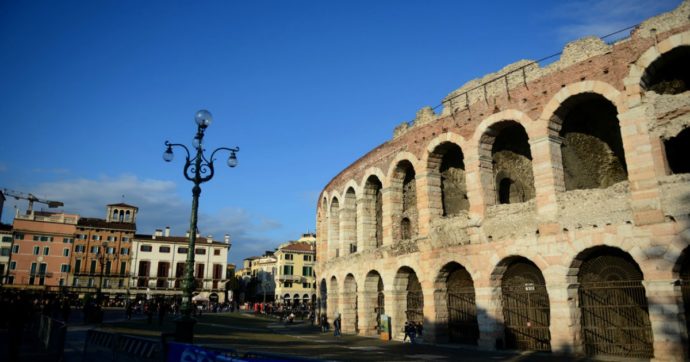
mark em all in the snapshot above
pixel 336 326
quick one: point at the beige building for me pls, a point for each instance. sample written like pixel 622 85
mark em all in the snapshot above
pixel 543 208
pixel 294 280
pixel 159 260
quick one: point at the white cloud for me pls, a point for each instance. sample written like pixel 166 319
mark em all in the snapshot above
pixel 602 17
pixel 159 206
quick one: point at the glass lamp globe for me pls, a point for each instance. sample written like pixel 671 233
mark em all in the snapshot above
pixel 196 142
pixel 232 160
pixel 168 155
pixel 203 118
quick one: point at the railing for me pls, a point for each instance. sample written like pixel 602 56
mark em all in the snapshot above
pixel 51 333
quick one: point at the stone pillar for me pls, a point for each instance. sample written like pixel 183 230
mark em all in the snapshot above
pixel 547 167
pixel 480 183
pixel 348 226
pixel 643 171
pixel 665 316
pixel 396 303
pixel 367 313
pixel 428 200
pixel 392 201
pixel 489 318
pixel 364 226
pixel 348 311
pixel 560 323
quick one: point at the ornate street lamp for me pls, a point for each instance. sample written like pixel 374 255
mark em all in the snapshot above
pixel 198 169
pixel 103 257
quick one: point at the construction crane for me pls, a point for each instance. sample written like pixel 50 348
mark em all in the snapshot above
pixel 31 198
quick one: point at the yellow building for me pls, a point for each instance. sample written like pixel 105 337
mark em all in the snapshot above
pixel 295 281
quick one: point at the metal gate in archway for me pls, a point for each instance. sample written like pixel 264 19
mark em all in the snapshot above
pixel 462 308
pixel 415 300
pixel 613 307
pixel 380 305
pixel 526 312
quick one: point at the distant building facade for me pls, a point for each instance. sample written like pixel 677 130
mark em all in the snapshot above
pixel 5 250
pixel 159 260
pixel 295 280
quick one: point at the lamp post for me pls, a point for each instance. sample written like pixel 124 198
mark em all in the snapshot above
pixel 103 257
pixel 198 169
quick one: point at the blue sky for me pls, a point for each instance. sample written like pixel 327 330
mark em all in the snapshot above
pixel 90 90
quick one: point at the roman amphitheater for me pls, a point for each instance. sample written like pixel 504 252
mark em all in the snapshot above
pixel 542 208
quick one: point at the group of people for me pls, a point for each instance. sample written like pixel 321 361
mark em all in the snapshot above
pixel 412 330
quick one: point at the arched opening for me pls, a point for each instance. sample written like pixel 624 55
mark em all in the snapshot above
pixel 405 231
pixel 128 216
pixel 334 228
pixel 685 291
pixel 677 151
pixel 669 74
pixel 512 162
pixel 349 222
pixel 455 296
pixel 613 305
pixel 372 218
pixel 592 148
pixel 322 232
pixel 121 217
pixel 448 160
pixel 373 303
pixel 350 306
pixel 409 299
pixel 404 205
pixel 115 213
pixel 526 309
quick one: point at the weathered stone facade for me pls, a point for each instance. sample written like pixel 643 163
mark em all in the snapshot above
pixel 542 209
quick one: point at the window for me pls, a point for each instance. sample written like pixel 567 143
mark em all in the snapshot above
pixel 37 250
pixel 33 269
pixel 61 282
pixel 288 256
pixel 77 265
pixel 307 258
pixel 307 271
pixel 95 237
pixel 287 284
pixel 90 283
pixel 125 239
pixel 68 240
pixel 13 265
pixel 94 250
pixel 47 238
pixel 200 251
pixel 112 238
pixel 79 248
pixel 92 269
pixel 123 267
pixel 65 252
pixel 124 251
pixel 81 236
pixel 287 269
pixel 46 251
pixel 182 250
pixel 216 251
pixel 146 248
pixel 164 249
pixel 5 252
pixel 15 249
pixel 6 239
pixel 306 285
pixel 75 282
pixel 37 238
pixel 18 236
pixel 64 268
pixel 110 250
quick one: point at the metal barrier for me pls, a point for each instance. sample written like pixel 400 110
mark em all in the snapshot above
pixel 51 333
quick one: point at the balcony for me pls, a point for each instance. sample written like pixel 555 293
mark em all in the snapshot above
pixel 290 278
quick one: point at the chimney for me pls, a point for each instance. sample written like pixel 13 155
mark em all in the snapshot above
pixel 209 239
pixel 167 231
pixel 186 235
pixel 227 239
pixel 159 232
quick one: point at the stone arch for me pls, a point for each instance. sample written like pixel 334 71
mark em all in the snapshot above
pixel 592 154
pixel 456 307
pixel 371 215
pixel 373 303
pixel 603 89
pixel 610 294
pixel 403 200
pixel 640 73
pixel 408 300
pixel 677 150
pixel 334 228
pixel 445 163
pixel 350 305
pixel 525 304
pixel 348 222
pixel 506 161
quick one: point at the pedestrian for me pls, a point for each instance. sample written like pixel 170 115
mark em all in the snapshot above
pixel 407 331
pixel 128 310
pixel 336 326
pixel 324 323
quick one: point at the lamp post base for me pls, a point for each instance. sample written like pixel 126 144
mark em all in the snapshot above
pixel 184 329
